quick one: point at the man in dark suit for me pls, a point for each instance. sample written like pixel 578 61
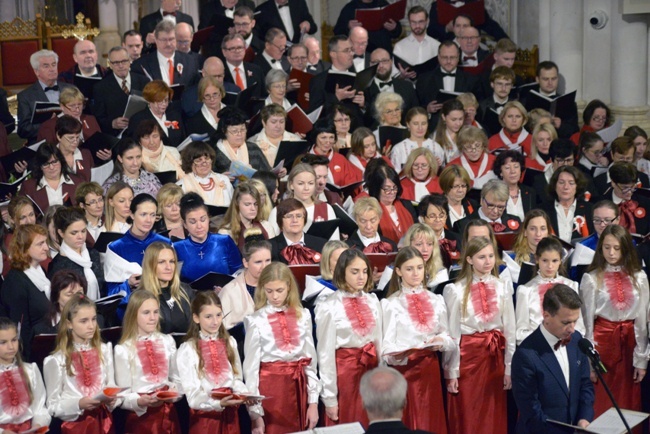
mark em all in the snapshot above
pixel 85 58
pixel 315 65
pixel 494 197
pixel 504 55
pixel 489 109
pixel 471 53
pixel 622 151
pixel 449 31
pixel 290 16
pixel 383 393
pixel 275 44
pixel 165 63
pixel 378 39
pixel 550 376
pixel 112 92
pixel 383 83
pixel 244 21
pixel 169 9
pixel 446 77
pixel 46 89
pixel 240 73
pixel 340 50
pixel 5 117
pixel 548 80
pixel 132 41
pixel 220 7
pixel 359 40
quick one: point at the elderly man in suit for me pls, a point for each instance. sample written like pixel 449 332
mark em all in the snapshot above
pixel 169 10
pixel 112 92
pixel 383 392
pixel 315 63
pixel 240 73
pixel 46 89
pixel 166 63
pixel 550 376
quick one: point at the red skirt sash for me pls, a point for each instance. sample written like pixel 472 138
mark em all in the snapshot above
pixel 215 422
pixel 481 403
pixel 285 383
pixel 351 364
pixel 615 343
pixel 97 421
pixel 16 427
pixel 424 399
pixel 157 420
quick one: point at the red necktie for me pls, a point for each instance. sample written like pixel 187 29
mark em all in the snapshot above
pixel 238 80
pixel 170 62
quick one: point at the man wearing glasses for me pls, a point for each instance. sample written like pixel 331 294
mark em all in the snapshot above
pixel 112 92
pixel 417 47
pixel 494 198
pixel 240 73
pixel 471 53
pixel 622 151
pixel 275 45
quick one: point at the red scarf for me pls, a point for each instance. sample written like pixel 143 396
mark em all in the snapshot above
pixel 627 209
pixel 388 227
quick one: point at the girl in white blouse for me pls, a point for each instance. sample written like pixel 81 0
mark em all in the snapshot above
pixel 529 311
pixel 280 356
pixel 348 329
pixel 415 328
pixel 482 322
pixel 210 364
pixel 145 362
pixel 22 397
pixel 79 370
pixel 615 295
pixel 417 122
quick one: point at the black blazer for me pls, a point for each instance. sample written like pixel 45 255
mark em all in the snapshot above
pixel 190 69
pixel 403 88
pixel 254 77
pixel 431 82
pixel 60 262
pixel 178 319
pixel 265 66
pixel 26 101
pixel 197 124
pixel 470 206
pixel 641 223
pixel 319 97
pixel 321 66
pixel 267 16
pixel 377 39
pixel 488 119
pixel 603 185
pixel 582 209
pixel 355 241
pixel 528 197
pixel 174 138
pixel 256 158
pixel 148 25
pixel 569 125
pixel 5 116
pixel 214 7
pixel 278 243
pixel 110 100
pixel 392 427
pixel 25 303
pixel 506 219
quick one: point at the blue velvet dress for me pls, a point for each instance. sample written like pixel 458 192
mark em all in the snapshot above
pixel 218 254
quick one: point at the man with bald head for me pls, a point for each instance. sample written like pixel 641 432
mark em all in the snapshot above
pixel 359 39
pixel 384 83
pixel 85 58
pixel 315 63
pixel 184 34
pixel 212 67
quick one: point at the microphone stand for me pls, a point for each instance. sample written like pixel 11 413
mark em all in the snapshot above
pixel 597 368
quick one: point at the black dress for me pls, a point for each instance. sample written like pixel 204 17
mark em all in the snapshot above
pixel 177 318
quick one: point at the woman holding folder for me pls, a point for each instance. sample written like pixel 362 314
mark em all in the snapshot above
pixel 274 120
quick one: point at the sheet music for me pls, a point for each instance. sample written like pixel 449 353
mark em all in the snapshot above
pixel 101 173
pixel 346 428
pixel 610 422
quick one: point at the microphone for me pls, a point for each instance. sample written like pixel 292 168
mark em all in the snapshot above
pixel 587 348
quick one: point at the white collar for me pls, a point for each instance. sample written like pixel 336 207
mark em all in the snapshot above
pixel 42 183
pixel 550 339
pixel 290 243
pixel 486 218
pixel 368 241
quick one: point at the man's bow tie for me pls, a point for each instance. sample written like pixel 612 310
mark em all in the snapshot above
pixel 385 83
pixel 466 58
pixel 54 88
pixel 169 13
pixel 358 56
pixel 273 61
pixel 499 105
pixel 561 343
pixel 286 5
pixel 447 74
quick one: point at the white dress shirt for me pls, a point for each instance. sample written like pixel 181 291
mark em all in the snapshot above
pixel 560 353
pixel 416 52
pixel 164 67
pixel 242 73
pixel 285 16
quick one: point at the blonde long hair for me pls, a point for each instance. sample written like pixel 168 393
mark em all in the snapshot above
pixel 467 271
pixel 130 322
pixel 434 264
pixel 64 339
pixel 149 280
pixel 278 271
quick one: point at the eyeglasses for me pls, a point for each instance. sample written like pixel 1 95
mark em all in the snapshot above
pixel 293 216
pixel 279 86
pixel 282 49
pixel 95 202
pixel 599 118
pixel 299 58
pixel 393 111
pixel 389 190
pixel 179 42
pixel 50 164
pixel 242 25
pixel 566 161
pixel 422 166
pixel 203 161
pixel 625 190
pixel 212 97
pixel 74 107
pixel 342 120
pixel 473 147
pixel 606 222
pixel 382 61
pixel 238 48
pixel 460 187
pixel 72 138
pixel 236 131
pixel 163 102
pixel 166 40
pixel 345 51
pixel 440 217
pixel 119 62
pixel 493 207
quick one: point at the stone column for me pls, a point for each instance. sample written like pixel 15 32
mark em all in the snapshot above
pixel 191 7
pixel 629 67
pixel 566 33
pixel 127 15
pixel 109 32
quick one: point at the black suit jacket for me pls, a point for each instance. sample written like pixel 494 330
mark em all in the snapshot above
pixel 431 82
pixel 26 101
pixel 214 7
pixel 582 209
pixel 254 77
pixel 540 390
pixel 256 159
pixel 528 197
pixel 319 97
pixel 641 223
pixel 569 125
pixel 404 88
pixel 377 39
pixel 190 69
pixel 5 117
pixel 265 66
pixel 603 185
pixel 469 205
pixel 392 427
pixel 481 54
pixel 355 241
pixel 110 100
pixel 148 25
pixel 488 119
pixel 267 16
pixel 197 124
pixel 321 66
pixel 174 138
pixel 278 243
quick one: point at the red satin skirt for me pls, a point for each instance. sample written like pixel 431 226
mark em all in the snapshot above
pixel 424 409
pixel 16 427
pixel 214 422
pixel 285 385
pixel 616 344
pixel 480 406
pixel 351 364
pixel 97 421
pixel 157 420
